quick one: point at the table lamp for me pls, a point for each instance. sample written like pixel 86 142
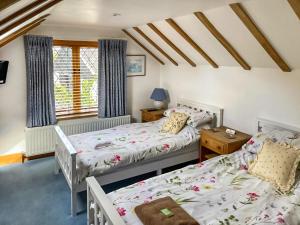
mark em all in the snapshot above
pixel 159 96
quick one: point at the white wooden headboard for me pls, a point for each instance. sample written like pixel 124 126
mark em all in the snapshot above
pixel 216 111
pixel 261 123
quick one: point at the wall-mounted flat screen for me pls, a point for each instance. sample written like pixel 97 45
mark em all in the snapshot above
pixel 3 71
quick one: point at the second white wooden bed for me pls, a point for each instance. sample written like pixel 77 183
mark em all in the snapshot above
pixel 66 154
pixel 102 210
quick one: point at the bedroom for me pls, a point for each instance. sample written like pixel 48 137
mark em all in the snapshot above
pixel 246 85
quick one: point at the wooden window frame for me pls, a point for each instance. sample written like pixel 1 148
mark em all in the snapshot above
pixel 77 111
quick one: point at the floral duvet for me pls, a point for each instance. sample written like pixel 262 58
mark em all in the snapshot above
pixel 216 192
pixel 100 151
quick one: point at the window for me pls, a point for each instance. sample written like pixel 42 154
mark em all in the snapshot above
pixel 75 78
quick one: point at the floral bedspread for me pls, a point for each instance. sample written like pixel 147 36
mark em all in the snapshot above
pixel 100 151
pixel 216 192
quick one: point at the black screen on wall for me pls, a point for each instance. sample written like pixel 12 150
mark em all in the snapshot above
pixel 3 71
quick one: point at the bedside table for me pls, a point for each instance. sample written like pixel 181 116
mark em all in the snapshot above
pixel 215 142
pixel 149 115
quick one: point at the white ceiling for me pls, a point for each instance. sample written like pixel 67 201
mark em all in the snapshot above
pixel 99 13
pixel 279 24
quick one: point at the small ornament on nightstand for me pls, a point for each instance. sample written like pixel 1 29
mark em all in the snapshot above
pixel 159 96
pixel 229 133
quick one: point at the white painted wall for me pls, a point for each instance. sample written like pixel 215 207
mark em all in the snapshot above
pixel 13 93
pixel 13 99
pixel 264 90
pixel 140 88
pixel 244 95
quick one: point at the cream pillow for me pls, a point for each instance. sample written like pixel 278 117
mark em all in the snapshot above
pixel 196 117
pixel 277 164
pixel 175 123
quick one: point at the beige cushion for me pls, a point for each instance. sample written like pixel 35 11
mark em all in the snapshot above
pixel 277 164
pixel 175 123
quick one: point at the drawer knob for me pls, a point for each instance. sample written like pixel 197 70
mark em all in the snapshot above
pixel 219 147
pixel 206 141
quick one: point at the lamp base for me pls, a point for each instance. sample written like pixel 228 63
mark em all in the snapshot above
pixel 158 104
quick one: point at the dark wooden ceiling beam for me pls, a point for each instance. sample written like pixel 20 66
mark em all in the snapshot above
pixel 259 36
pixel 155 45
pixel 29 16
pixel 6 3
pixel 21 11
pixel 171 44
pixel 20 32
pixel 204 20
pixel 295 4
pixel 183 34
pixel 40 18
pixel 143 46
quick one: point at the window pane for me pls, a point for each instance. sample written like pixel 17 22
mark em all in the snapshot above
pixel 63 78
pixel 89 78
pixel 75 79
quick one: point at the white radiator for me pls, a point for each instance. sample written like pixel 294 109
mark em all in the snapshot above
pixel 41 140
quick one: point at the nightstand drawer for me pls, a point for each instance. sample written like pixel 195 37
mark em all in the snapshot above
pixel 210 143
pixel 149 117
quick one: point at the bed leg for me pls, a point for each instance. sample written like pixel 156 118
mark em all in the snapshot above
pixel 159 172
pixel 56 167
pixel 73 203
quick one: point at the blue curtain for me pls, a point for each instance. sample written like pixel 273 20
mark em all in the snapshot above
pixel 39 72
pixel 112 78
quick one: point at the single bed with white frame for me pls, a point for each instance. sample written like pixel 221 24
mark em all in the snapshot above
pixel 66 157
pixel 101 209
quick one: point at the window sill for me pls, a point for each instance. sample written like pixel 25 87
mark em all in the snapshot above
pixel 76 116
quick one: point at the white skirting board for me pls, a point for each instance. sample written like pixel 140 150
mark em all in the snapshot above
pixel 42 140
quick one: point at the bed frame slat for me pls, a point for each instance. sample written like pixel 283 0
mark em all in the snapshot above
pixel 110 213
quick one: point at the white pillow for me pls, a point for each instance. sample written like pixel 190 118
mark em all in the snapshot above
pixel 205 126
pixel 277 136
pixel 296 143
pixel 196 118
pixel 168 112
pixel 199 118
pixel 269 129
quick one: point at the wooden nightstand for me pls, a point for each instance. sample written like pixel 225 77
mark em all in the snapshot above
pixel 149 115
pixel 215 142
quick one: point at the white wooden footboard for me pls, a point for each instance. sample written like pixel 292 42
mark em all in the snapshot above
pixel 100 210
pixel 65 156
pixel 65 153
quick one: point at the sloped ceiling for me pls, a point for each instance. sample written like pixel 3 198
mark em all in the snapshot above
pixel 99 13
pixel 276 19
pixel 17 16
pixel 13 7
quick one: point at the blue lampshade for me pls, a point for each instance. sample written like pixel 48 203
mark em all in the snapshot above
pixel 158 94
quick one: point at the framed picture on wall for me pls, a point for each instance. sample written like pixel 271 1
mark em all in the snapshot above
pixel 136 65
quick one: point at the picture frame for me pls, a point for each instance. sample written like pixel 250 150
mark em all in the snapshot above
pixel 136 65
